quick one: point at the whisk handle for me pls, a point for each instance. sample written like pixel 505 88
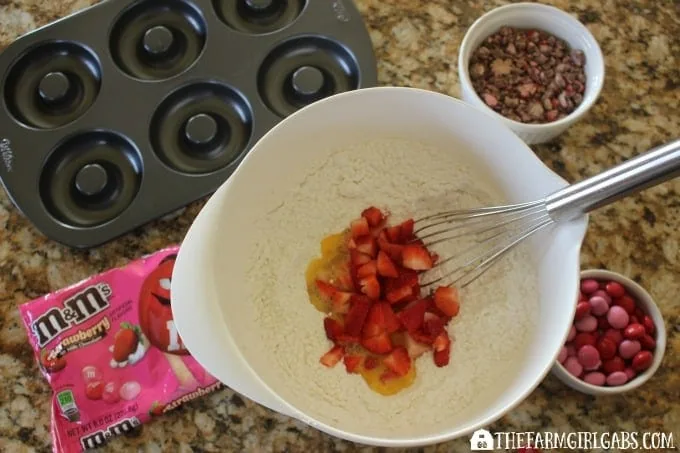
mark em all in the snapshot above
pixel 634 175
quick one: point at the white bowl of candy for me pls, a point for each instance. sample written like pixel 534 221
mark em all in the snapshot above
pixel 533 66
pixel 617 340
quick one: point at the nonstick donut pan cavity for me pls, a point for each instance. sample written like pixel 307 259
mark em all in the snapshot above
pixel 131 109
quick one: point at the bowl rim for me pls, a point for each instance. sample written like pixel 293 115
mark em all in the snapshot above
pixel 464 74
pixel 652 310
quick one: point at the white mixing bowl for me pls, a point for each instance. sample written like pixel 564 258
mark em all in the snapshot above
pixel 210 304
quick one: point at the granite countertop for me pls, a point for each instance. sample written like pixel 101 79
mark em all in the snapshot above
pixel 416 45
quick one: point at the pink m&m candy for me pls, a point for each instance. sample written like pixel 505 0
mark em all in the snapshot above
pixel 595 378
pixel 615 335
pixel 589 357
pixel 562 356
pixel 572 333
pixel 648 342
pixel 617 317
pixel 589 286
pixel 584 338
pixel 598 306
pixel 642 361
pixel 627 303
pixel 628 348
pixel 615 289
pixel 614 364
pixel 91 374
pixel 582 310
pixel 603 294
pixel 634 331
pixel 606 347
pixel 617 378
pixel 630 373
pixel 573 367
pixel 110 394
pixel 587 324
pixel 602 323
pixel 130 390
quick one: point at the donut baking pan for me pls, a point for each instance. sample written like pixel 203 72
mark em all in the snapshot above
pixel 128 110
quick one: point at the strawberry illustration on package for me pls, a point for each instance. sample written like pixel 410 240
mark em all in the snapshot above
pixel 109 349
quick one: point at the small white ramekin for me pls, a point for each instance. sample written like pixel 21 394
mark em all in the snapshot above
pixel 648 305
pixel 551 20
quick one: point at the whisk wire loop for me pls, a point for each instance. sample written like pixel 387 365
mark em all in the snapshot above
pixel 493 231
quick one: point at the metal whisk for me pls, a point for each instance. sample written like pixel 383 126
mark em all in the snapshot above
pixel 494 231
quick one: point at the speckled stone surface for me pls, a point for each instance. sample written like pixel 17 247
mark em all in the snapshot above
pixel 416 44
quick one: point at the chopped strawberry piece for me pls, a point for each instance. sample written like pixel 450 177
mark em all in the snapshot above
pixel 421 337
pixel 371 287
pixel 394 251
pixel 385 266
pixel 343 280
pixel 385 243
pixel 392 323
pixel 332 357
pixel 374 324
pixel 399 294
pixel 352 363
pixel 356 316
pixel 402 233
pixel 398 361
pixel 375 232
pixel 380 319
pixel 407 277
pixel 414 347
pixel 442 342
pixel 406 230
pixel 403 286
pixel 388 375
pixel 326 289
pixel 333 328
pixel 368 269
pixel 412 298
pixel 415 291
pixel 345 339
pixel 435 258
pixel 441 358
pixel 442 349
pixel 436 311
pixel 433 325
pixel 340 302
pixel 445 319
pixel 370 362
pixel 378 344
pixel 367 245
pixel 413 315
pixel 416 257
pixel 373 215
pixel 357 258
pixel 393 234
pixel 446 299
pixel 359 227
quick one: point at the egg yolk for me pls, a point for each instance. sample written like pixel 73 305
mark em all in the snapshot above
pixel 333 267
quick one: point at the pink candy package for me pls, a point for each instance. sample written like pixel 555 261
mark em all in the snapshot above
pixel 110 351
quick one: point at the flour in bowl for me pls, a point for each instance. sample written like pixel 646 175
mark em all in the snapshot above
pixel 490 335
